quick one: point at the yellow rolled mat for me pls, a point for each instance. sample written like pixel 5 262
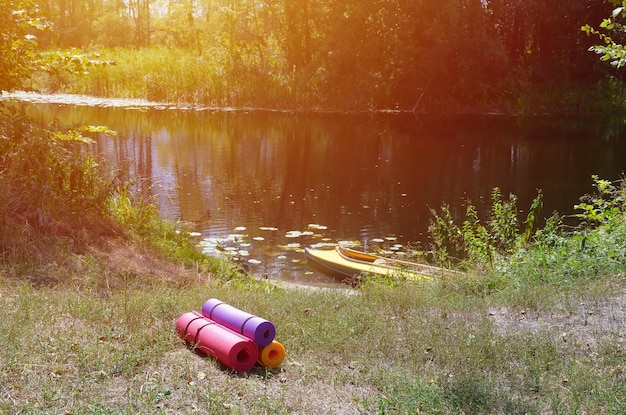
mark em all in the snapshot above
pixel 272 355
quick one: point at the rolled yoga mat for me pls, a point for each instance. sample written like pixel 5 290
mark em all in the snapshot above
pixel 272 355
pixel 182 324
pixel 256 328
pixel 231 349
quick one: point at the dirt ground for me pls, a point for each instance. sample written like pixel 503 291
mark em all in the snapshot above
pixel 586 324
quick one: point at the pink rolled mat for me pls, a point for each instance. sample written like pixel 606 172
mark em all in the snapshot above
pixel 231 349
pixel 183 323
pixel 272 355
pixel 256 328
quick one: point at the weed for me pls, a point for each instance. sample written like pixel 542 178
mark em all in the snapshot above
pixel 52 186
pixel 605 206
pixel 402 394
pixel 509 259
pixel 481 243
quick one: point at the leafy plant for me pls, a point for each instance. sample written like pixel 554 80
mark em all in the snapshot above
pixel 51 184
pixel 22 23
pixel 603 207
pixel 479 241
pixel 610 51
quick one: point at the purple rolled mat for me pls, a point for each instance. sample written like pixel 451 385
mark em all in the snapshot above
pixel 261 331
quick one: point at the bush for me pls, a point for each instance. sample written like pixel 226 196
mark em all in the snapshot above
pixel 553 254
pixel 59 199
pixel 481 242
pixel 51 186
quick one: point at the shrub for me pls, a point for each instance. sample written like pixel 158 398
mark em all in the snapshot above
pixel 481 242
pixel 51 186
pixel 552 254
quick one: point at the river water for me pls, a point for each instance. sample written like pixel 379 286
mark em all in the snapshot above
pixel 263 185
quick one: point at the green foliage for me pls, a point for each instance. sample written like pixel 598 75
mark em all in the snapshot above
pixel 452 55
pixel 549 255
pixel 22 23
pixel 531 218
pixel 109 29
pixel 482 242
pixel 612 50
pixel 51 183
pixel 18 28
pixel 445 234
pixel 477 239
pixel 604 207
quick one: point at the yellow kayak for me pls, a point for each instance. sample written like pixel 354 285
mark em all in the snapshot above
pixel 349 262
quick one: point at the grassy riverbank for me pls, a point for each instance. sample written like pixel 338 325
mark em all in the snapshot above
pixel 208 79
pixel 92 282
pixel 432 349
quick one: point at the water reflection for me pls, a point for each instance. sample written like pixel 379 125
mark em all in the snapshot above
pixel 265 185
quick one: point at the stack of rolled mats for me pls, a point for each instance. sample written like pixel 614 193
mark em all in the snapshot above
pixel 235 338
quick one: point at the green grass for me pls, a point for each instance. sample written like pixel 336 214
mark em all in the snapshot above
pixel 212 79
pixel 77 350
pixel 152 74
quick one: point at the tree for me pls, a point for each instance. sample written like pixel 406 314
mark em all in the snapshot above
pixel 540 40
pixel 139 10
pixel 393 53
pixel 21 57
pixel 19 27
pixel 613 49
pixel 298 34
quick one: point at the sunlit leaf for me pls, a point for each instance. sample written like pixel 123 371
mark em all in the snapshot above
pixel 617 11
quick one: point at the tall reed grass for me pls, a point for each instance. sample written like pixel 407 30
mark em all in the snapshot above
pixel 215 78
pixel 179 77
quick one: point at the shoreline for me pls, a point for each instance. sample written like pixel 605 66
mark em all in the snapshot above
pixel 141 104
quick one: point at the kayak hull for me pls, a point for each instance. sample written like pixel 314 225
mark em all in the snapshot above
pixel 350 263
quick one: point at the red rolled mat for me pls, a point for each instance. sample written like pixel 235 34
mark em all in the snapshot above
pixel 182 325
pixel 272 355
pixel 231 349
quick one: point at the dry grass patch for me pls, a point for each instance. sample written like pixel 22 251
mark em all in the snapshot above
pixel 80 348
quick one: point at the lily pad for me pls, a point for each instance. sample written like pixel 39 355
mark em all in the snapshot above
pixel 316 226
